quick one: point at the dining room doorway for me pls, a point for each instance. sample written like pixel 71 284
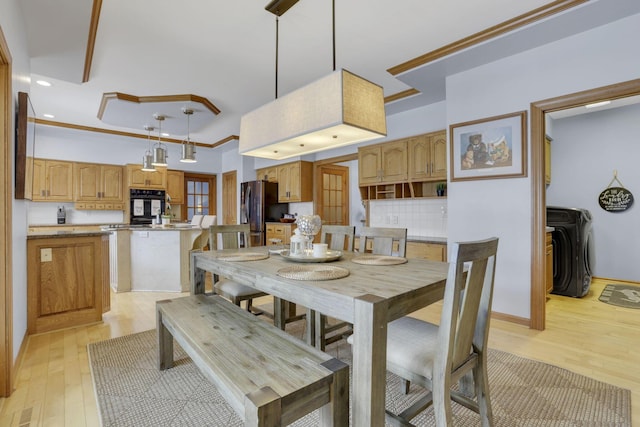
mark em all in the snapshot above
pixel 538 197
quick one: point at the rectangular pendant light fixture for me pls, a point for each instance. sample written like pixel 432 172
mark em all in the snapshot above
pixel 337 110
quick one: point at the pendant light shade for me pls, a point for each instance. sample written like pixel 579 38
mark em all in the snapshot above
pixel 159 150
pixel 147 159
pixel 334 111
pixel 188 147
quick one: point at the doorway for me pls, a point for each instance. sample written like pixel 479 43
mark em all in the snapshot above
pixel 538 197
pixel 229 197
pixel 332 197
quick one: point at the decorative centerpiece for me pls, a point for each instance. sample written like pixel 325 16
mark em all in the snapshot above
pixel 309 226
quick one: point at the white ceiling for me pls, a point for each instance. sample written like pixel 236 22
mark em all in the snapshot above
pixel 225 51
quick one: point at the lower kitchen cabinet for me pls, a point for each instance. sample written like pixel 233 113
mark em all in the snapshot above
pixel 280 230
pixel 67 280
pixel 430 251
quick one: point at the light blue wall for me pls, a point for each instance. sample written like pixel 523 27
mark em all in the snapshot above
pixel 585 151
pixel 502 207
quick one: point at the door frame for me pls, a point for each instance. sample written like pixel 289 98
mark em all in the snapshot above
pixel 6 221
pixel 538 194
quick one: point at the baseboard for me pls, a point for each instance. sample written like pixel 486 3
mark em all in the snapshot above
pixel 19 359
pixel 510 318
pixel 621 281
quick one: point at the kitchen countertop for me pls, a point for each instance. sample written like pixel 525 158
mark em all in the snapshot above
pixel 427 239
pixel 64 233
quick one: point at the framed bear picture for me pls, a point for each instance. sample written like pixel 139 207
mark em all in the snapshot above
pixel 490 148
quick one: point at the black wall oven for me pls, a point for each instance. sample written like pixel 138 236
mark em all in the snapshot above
pixel 145 205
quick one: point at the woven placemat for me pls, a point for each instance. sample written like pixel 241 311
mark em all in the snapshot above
pixel 379 260
pixel 313 272
pixel 243 256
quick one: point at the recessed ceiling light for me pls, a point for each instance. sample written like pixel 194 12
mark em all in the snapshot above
pixel 49 116
pixel 166 134
pixel 43 83
pixel 597 104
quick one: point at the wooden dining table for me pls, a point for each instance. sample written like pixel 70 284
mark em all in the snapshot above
pixel 369 297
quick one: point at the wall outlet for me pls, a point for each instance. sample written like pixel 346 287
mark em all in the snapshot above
pixel 395 219
pixel 46 255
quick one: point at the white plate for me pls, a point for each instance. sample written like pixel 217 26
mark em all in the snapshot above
pixel 331 256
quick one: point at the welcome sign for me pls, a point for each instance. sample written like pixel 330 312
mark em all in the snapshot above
pixel 615 199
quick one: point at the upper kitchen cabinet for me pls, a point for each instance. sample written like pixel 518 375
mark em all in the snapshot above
pixel 52 180
pixel 137 178
pixel 428 157
pixel 405 168
pixel 98 182
pixel 267 174
pixel 295 182
pixel 382 163
pixel 175 186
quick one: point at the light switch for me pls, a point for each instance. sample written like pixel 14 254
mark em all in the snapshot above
pixel 45 255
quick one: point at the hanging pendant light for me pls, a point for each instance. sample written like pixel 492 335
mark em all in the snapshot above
pixel 188 147
pixel 159 150
pixel 337 110
pixel 147 159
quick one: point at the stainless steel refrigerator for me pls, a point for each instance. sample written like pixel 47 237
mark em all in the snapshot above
pixel 258 205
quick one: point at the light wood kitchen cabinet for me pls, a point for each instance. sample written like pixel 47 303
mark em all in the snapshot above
pixel 295 182
pixel 279 230
pixel 137 178
pixel 52 180
pixel 66 281
pixel 549 262
pixel 430 251
pixel 100 183
pixel 267 174
pixel 175 186
pixel 383 163
pixel 428 157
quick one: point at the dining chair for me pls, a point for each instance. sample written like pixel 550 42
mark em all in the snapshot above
pixel 207 221
pixel 436 357
pixel 196 220
pixel 230 237
pixel 338 238
pixel 383 240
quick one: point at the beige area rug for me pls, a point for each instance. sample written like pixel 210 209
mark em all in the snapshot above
pixel 131 392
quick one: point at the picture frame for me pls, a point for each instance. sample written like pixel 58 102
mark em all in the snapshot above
pixel 490 148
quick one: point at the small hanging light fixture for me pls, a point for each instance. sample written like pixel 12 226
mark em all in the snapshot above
pixel 188 147
pixel 159 150
pixel 147 159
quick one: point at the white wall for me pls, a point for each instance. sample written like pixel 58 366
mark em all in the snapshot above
pixel 11 22
pixel 585 151
pixel 502 207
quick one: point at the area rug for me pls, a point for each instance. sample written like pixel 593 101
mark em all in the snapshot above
pixel 130 391
pixel 621 295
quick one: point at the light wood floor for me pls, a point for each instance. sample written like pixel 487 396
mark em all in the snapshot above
pixel 54 387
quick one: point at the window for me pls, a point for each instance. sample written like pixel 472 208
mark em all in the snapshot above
pixel 200 195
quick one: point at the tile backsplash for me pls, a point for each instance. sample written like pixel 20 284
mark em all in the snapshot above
pixel 421 217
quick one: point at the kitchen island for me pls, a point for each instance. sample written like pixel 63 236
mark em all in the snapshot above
pixel 151 258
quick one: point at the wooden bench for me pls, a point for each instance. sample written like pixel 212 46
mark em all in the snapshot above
pixel 269 377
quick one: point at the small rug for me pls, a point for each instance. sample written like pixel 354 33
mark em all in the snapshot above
pixel 130 391
pixel 621 295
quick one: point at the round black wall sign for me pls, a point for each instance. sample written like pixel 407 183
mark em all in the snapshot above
pixel 615 199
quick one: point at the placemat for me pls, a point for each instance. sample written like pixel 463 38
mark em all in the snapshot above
pixel 243 256
pixel 379 260
pixel 313 272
